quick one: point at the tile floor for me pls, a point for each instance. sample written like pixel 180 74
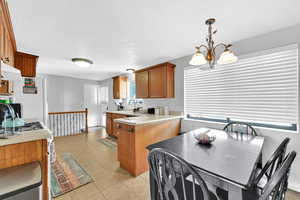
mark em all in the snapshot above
pixel 110 181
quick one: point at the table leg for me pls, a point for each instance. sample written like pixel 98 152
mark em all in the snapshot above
pixel 153 188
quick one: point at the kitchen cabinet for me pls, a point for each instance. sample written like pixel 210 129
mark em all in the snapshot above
pixel 8 43
pixel 156 81
pixel 125 142
pixel 133 140
pixel 120 87
pixel 27 152
pixel 26 63
pixel 141 83
pixel 8 50
pixel 110 124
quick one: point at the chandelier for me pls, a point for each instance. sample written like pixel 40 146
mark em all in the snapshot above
pixel 206 54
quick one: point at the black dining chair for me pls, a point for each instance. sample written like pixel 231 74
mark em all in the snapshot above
pixel 170 173
pixel 275 161
pixel 262 176
pixel 276 187
pixel 240 127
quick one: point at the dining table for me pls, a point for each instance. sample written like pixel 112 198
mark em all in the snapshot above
pixel 228 163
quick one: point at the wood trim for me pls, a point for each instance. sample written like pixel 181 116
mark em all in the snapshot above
pixel 45 169
pixel 86 120
pixel 8 23
pixel 158 65
pixel 69 112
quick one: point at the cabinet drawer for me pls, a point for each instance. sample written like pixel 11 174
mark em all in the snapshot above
pixel 119 127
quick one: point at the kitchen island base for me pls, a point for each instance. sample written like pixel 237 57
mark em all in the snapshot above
pixel 133 140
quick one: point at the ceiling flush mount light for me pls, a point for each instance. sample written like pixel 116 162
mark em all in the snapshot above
pixel 82 62
pixel 208 54
pixel 130 70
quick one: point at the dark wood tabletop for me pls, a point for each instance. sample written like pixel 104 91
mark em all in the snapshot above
pixel 231 156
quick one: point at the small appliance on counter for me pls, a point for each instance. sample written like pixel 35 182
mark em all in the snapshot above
pixel 151 111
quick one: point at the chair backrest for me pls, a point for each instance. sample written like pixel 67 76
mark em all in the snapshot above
pixel 170 172
pixel 277 186
pixel 240 127
pixel 274 162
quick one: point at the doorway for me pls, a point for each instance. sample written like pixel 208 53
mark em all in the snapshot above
pixel 92 103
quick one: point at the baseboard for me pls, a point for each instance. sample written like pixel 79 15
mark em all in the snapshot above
pixel 294 186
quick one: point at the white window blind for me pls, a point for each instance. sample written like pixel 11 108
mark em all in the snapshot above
pixel 261 89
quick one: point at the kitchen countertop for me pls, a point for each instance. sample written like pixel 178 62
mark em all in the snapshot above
pixel 127 112
pixel 147 119
pixel 27 136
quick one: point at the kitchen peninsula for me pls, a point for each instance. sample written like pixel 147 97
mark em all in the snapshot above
pixel 135 131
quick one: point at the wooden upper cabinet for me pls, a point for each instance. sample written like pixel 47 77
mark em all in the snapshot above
pixel 156 81
pixel 141 82
pixel 8 50
pixel 2 36
pixel 7 40
pixel 26 63
pixel 120 87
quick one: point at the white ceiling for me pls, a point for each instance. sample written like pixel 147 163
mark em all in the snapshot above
pixel 117 34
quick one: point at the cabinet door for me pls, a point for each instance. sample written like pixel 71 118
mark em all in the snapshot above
pixel 108 124
pixel 2 35
pixel 157 82
pixel 142 84
pixel 26 63
pixel 120 87
pixel 114 124
pixel 123 87
pixel 116 88
pixel 125 147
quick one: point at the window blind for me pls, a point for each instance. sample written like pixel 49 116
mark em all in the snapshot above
pixel 261 88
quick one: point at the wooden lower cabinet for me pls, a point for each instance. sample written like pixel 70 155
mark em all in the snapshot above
pixel 133 140
pixel 22 153
pixel 110 124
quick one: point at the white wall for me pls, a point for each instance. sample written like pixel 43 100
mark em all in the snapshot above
pixel 66 93
pixel 33 104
